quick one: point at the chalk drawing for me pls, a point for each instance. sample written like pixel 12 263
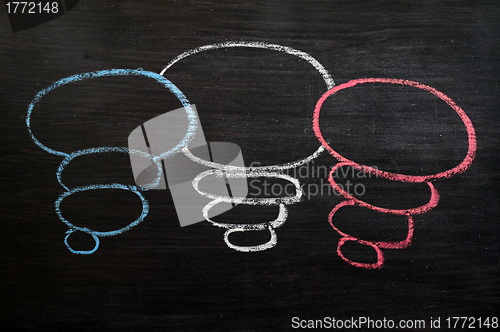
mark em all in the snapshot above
pixel 231 228
pixel 352 201
pixel 272 171
pixel 262 171
pixel 68 157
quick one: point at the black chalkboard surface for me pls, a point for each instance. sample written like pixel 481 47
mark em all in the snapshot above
pixel 393 103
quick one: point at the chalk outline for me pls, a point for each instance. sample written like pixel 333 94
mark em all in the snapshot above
pixel 258 171
pixel 231 228
pixel 193 123
pixel 265 171
pixel 262 45
pixel 433 201
pixel 460 168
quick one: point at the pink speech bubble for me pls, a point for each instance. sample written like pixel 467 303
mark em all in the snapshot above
pixel 350 200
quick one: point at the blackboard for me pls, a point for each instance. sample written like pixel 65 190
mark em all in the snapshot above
pixel 256 86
